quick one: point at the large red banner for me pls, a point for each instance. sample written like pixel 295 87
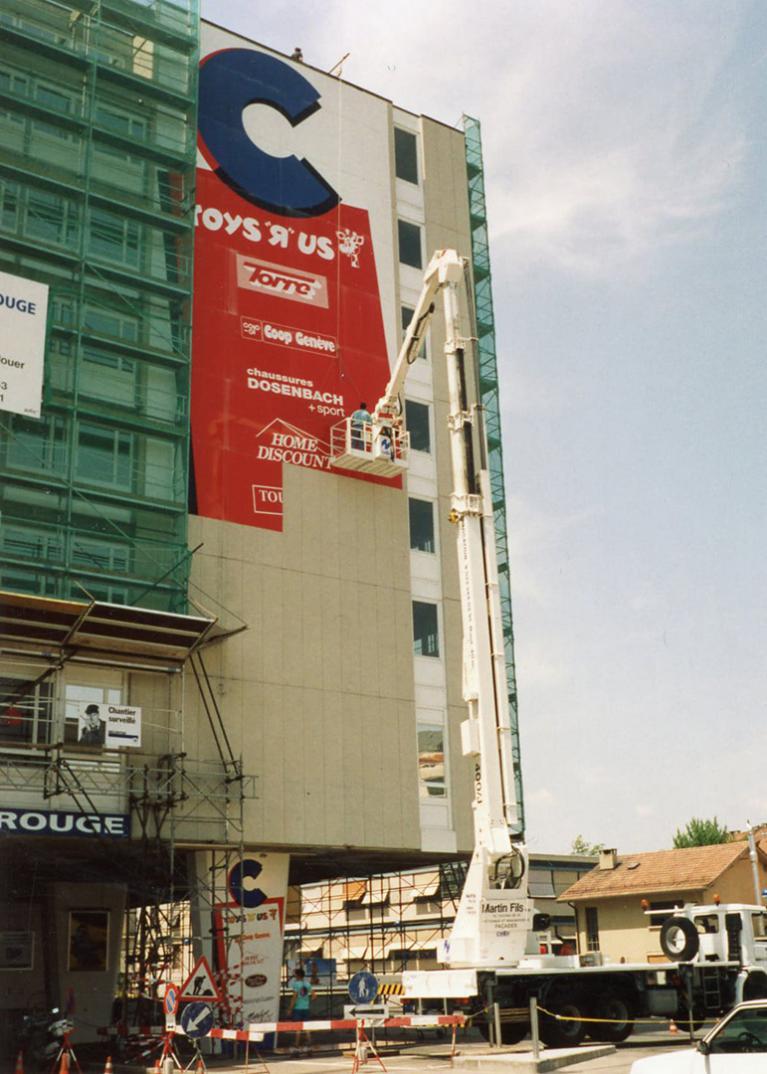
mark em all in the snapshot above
pixel 288 339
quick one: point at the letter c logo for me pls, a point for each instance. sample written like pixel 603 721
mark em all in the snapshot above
pixel 232 79
pixel 249 897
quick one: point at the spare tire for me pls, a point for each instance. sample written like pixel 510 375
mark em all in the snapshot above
pixel 679 939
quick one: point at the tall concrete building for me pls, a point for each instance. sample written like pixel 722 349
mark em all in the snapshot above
pixel 226 665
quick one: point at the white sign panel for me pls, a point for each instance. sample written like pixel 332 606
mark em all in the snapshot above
pixel 253 958
pixel 112 726
pixel 248 917
pixel 23 314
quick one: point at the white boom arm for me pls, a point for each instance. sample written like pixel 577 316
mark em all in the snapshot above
pixel 495 913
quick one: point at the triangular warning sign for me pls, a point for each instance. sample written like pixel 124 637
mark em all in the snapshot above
pixel 200 984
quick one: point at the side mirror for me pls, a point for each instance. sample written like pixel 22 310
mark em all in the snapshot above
pixel 704 1047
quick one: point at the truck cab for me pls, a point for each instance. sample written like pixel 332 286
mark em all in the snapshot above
pixel 733 932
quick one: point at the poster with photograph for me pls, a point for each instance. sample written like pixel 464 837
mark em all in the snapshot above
pixel 88 940
pixel 111 726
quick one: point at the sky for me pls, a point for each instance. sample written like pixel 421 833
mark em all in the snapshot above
pixel 626 169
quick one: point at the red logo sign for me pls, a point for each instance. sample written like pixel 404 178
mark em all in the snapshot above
pixel 288 339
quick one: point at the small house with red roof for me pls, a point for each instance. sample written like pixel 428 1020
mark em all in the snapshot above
pixel 611 901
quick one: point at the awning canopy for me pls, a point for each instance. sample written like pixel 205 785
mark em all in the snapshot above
pixel 120 631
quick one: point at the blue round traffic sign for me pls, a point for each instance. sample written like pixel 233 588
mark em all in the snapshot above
pixel 363 987
pixel 197 1020
pixel 171 1000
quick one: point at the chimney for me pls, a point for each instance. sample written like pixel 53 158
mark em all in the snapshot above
pixel 608 859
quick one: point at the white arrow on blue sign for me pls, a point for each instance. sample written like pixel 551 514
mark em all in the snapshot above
pixel 197 1020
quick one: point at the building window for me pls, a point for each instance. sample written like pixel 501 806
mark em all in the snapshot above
pixel 409 244
pixel 9 206
pixel 93 554
pixel 106 322
pixel 405 155
pixel 421 525
pixel 25 710
pixel 431 762
pixel 406 315
pixel 121 122
pixel 114 238
pixel 38 445
pixel 160 471
pixel 105 456
pixel 541 883
pixel 425 630
pixel 592 928
pixel 108 376
pixel 51 218
pixel 417 422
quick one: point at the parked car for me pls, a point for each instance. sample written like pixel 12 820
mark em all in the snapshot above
pixel 736 1045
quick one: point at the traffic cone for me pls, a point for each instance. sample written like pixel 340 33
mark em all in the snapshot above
pixel 19 1064
pixel 64 1067
pixel 200 1068
pixel 108 1069
pixel 673 1027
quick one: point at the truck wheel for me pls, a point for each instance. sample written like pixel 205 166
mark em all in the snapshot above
pixel 679 939
pixel 620 1010
pixel 562 1034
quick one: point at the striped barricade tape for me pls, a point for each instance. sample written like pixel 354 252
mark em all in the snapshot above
pixel 238 1034
pixel 257 1031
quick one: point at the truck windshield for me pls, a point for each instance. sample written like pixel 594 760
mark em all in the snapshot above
pixel 759 925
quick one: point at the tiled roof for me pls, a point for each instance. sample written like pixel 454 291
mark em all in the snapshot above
pixel 690 869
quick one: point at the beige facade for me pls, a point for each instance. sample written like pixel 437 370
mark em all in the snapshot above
pixel 320 692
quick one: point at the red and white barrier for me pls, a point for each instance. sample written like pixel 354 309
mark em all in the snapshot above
pixel 257 1031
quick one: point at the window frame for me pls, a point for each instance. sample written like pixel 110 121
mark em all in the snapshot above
pixel 436 651
pixel 409 413
pixel 400 155
pixel 433 789
pixel 403 229
pixel 411 500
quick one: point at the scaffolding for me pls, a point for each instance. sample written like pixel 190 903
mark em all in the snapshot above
pixel 179 805
pixel 384 923
pixel 97 122
pixel 489 395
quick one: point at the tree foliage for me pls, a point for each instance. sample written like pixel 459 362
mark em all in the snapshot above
pixel 701 833
pixel 580 846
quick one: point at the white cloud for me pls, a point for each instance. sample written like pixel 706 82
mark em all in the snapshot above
pixel 605 137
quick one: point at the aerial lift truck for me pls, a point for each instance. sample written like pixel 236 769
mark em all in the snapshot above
pixel 495 914
pixel 498 948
